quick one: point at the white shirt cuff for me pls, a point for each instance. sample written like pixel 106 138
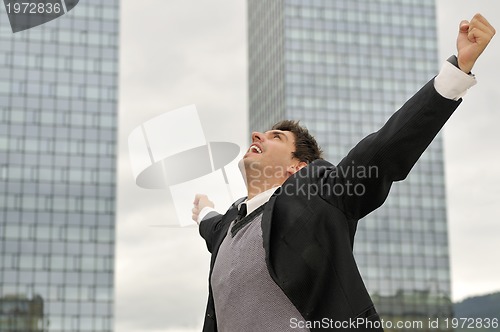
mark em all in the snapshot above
pixel 203 213
pixel 452 83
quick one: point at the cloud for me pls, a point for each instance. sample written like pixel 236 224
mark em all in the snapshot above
pixel 162 278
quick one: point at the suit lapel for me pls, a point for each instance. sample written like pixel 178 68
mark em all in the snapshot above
pixel 226 222
pixel 266 233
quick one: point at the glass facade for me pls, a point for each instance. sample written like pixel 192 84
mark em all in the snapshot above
pixel 342 68
pixel 58 120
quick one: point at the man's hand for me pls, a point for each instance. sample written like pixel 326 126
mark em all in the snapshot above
pixel 473 37
pixel 200 201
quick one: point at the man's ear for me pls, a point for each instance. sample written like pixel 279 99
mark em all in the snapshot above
pixel 292 169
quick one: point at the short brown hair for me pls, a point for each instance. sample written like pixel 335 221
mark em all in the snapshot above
pixel 306 147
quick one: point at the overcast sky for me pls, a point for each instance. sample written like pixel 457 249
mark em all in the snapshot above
pixel 176 53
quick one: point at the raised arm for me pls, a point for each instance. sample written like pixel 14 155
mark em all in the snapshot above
pixel 389 154
pixel 207 218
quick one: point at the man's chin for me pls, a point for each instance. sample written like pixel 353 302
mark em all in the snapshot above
pixel 248 165
pixel 245 163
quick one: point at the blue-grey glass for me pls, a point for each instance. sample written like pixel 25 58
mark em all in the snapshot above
pixel 57 168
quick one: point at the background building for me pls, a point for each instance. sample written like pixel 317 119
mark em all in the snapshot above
pixel 342 68
pixel 22 314
pixel 58 106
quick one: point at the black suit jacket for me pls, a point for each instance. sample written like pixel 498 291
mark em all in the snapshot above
pixel 309 223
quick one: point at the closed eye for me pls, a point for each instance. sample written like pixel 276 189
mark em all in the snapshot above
pixel 277 134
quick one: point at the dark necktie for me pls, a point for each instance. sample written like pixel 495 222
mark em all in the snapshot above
pixel 243 219
pixel 242 212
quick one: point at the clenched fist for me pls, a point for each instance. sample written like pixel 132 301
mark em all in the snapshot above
pixel 200 201
pixel 473 37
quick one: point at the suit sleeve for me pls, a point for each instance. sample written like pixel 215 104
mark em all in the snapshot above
pixel 209 227
pixel 389 154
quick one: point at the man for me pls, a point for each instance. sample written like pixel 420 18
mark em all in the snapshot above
pixel 282 257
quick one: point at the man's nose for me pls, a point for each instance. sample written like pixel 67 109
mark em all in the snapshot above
pixel 257 136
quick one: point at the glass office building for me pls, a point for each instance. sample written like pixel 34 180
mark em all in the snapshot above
pixel 58 120
pixel 342 68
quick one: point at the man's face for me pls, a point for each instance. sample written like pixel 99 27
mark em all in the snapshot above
pixel 270 156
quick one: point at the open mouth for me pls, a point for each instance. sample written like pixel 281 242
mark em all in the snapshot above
pixel 255 149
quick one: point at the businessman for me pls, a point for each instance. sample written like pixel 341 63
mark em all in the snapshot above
pixel 282 256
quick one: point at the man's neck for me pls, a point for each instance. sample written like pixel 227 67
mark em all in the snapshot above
pixel 257 181
pixel 256 187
